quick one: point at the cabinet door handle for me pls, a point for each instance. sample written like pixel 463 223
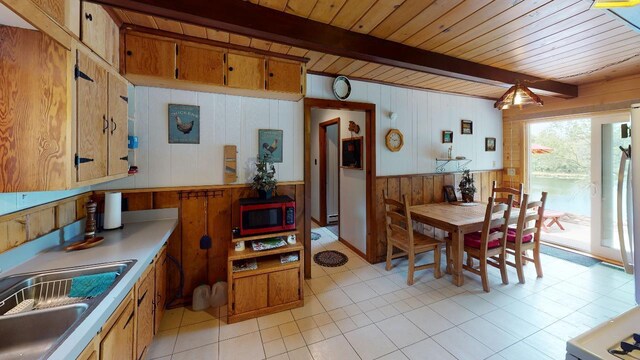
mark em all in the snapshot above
pixel 88 16
pixel 114 126
pixel 142 298
pixel 129 320
pixel 106 124
pixel 230 68
pixel 129 52
pixel 270 74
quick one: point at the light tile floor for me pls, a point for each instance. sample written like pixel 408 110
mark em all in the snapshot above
pixel 361 311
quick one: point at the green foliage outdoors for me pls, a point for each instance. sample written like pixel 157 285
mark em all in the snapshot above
pixel 571 144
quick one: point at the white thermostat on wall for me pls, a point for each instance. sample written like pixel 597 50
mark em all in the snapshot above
pixel 341 88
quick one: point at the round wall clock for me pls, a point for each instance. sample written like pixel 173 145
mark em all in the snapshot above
pixel 341 88
pixel 394 140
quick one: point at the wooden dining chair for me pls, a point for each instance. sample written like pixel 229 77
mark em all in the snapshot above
pixel 400 234
pixel 500 194
pixel 488 245
pixel 526 235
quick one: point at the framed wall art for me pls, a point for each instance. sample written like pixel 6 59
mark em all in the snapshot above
pixel 449 193
pixel 466 127
pixel 184 124
pixel 447 137
pixel 270 143
pixel 352 153
pixel 489 144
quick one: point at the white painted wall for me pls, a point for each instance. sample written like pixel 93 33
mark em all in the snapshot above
pixel 333 158
pixel 224 120
pixel 422 116
pixel 352 209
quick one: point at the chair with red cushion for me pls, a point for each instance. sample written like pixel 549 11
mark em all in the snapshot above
pixel 400 235
pixel 500 194
pixel 489 245
pixel 526 235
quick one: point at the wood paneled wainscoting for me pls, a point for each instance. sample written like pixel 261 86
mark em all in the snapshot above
pixel 205 210
pixel 423 189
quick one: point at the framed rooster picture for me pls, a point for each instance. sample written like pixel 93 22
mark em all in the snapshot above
pixel 184 124
pixel 270 143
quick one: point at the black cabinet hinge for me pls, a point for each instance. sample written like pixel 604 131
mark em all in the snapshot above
pixel 80 160
pixel 177 49
pixel 125 98
pixel 125 158
pixel 79 74
pixel 224 79
pixel 176 73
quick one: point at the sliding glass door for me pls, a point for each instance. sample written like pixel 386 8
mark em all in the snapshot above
pixel 609 189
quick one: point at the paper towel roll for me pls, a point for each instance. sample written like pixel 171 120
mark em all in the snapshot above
pixel 112 210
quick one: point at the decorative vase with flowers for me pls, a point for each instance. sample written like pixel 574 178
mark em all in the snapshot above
pixel 467 187
pixel 265 181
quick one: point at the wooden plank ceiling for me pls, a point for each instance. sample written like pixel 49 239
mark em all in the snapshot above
pixel 544 38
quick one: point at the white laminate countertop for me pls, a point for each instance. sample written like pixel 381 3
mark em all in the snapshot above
pixel 142 237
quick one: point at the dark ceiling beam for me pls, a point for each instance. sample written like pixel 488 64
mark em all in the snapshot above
pixel 244 18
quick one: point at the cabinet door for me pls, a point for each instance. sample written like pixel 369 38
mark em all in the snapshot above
pixel 250 293
pixel 200 64
pixel 284 76
pixel 90 352
pixel 118 122
pixel 117 344
pixel 100 33
pixel 91 119
pixel 284 287
pixel 245 71
pixel 161 288
pixel 150 56
pixel 54 8
pixel 145 300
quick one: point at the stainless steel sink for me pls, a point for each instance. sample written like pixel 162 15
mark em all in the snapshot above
pixel 37 333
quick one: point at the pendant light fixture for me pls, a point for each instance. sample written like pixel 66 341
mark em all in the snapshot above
pixel 518 95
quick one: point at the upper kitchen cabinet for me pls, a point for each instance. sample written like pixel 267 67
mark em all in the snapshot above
pixel 118 126
pixel 285 76
pixel 100 32
pixel 246 71
pixel 201 63
pixel 35 129
pixel 150 56
pixel 189 64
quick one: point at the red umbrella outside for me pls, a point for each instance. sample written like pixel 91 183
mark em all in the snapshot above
pixel 540 149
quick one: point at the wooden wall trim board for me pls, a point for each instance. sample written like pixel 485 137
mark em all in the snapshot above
pixel 323 168
pixel 40 20
pixel 25 225
pixel 370 166
pixel 423 189
pixel 193 188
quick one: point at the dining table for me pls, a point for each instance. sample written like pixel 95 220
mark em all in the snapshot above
pixel 458 219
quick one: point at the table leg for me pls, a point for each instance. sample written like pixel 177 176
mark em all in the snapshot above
pixel 457 252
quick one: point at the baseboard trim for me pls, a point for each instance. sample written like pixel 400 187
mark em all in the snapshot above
pixel 603 259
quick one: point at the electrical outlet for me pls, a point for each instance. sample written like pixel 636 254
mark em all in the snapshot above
pixel 511 171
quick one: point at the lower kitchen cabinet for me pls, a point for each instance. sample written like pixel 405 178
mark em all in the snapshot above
pixel 119 337
pixel 145 292
pixel 91 351
pixel 161 288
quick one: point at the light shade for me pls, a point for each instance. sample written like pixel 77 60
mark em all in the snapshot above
pixel 606 4
pixel 518 95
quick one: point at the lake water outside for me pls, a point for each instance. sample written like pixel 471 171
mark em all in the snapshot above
pixel 567 195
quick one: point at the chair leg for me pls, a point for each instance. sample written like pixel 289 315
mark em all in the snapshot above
pixel 483 274
pixel 469 261
pixel 519 266
pixel 447 268
pixel 436 262
pixel 503 268
pixel 536 260
pixel 412 266
pixel 389 255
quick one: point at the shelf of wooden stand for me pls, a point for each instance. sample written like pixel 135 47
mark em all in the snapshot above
pixel 249 253
pixel 265 236
pixel 268 265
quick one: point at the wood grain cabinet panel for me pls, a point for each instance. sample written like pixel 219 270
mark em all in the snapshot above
pixel 100 33
pixel 117 343
pixel 245 71
pixel 92 122
pixel 145 298
pixel 91 351
pixel 282 287
pixel 54 8
pixel 118 126
pixel 34 117
pixel 250 293
pixel 150 56
pixel 161 288
pixel 284 76
pixel 199 63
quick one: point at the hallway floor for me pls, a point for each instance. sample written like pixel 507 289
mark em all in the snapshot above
pixel 361 311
